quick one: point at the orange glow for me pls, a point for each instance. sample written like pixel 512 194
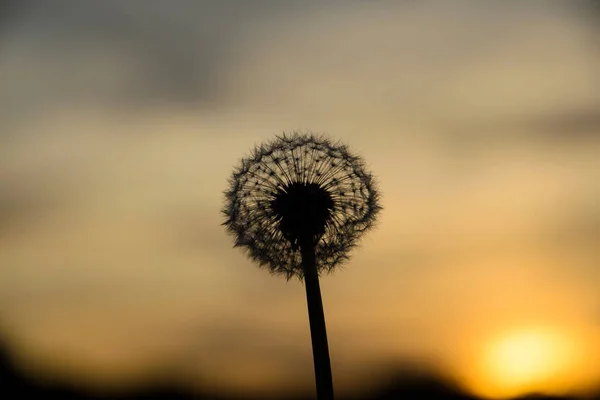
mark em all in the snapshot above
pixel 529 360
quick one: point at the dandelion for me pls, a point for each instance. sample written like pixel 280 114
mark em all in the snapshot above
pixel 297 205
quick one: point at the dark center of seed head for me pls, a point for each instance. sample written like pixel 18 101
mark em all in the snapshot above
pixel 303 210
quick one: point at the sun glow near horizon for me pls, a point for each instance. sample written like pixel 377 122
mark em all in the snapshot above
pixel 532 359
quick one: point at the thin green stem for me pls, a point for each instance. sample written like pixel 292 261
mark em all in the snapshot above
pixel 318 331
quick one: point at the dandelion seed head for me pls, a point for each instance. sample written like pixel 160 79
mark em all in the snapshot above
pixel 299 190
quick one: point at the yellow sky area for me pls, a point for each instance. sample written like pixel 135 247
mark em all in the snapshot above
pixel 104 274
pixel 136 247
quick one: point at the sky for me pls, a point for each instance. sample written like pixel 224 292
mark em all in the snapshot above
pixel 120 123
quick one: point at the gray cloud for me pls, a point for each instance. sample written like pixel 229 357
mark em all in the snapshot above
pixel 100 51
pixel 9 11
pixel 124 53
pixel 577 125
pixel 582 123
pixel 21 204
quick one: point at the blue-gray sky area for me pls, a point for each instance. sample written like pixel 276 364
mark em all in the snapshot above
pixel 121 121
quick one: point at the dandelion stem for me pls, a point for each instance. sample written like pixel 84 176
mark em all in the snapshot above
pixel 318 332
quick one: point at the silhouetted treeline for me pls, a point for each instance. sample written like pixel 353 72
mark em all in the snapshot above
pixel 401 385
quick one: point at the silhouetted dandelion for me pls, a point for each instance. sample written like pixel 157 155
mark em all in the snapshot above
pixel 297 205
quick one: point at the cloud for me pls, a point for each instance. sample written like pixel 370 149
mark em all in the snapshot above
pixel 9 11
pixel 117 54
pixel 568 125
pixel 18 206
pixel 124 54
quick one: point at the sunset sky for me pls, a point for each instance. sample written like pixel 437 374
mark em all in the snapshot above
pixel 121 121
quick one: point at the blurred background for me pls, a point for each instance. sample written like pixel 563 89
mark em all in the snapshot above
pixel 121 121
